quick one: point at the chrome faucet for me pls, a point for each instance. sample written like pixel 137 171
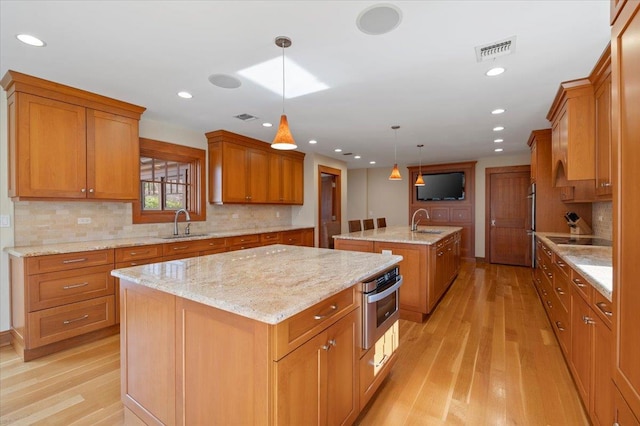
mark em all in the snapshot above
pixel 414 225
pixel 175 222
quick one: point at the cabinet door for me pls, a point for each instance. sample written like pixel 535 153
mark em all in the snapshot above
pixel 603 138
pixel 581 338
pixel 603 405
pixel 342 384
pixel 534 161
pixel 300 389
pixel 258 165
pixel 51 148
pixel 275 179
pixel 292 180
pixel 113 156
pixel 234 173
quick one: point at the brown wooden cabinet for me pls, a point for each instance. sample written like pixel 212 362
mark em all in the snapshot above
pixel 581 345
pixel 625 101
pixel 66 143
pixel 601 79
pixel 244 171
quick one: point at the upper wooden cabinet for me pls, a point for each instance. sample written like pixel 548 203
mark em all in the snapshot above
pixel 573 141
pixel 65 143
pixel 244 170
pixel 601 79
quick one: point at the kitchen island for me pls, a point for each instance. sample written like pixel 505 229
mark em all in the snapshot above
pixel 267 335
pixel 431 261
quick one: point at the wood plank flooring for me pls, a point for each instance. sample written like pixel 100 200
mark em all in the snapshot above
pixel 487 356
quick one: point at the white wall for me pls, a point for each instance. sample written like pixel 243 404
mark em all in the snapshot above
pixel 6 208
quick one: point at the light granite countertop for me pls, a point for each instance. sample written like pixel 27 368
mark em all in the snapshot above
pixel 267 284
pixel 61 248
pixel 593 262
pixel 402 234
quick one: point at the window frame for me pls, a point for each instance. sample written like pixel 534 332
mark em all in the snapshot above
pixel 183 154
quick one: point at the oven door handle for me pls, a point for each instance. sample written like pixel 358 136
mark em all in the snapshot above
pixel 379 296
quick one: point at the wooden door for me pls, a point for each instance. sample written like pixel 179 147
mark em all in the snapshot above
pixel 342 386
pixel 51 148
pixel 625 67
pixel 329 201
pixel 234 173
pixel 508 216
pixel 258 165
pixel 603 138
pixel 113 156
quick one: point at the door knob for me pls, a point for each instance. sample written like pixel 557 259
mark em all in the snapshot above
pixel 493 222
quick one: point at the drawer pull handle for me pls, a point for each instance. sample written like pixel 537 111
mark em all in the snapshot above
pixel 559 325
pixel 85 316
pixel 587 320
pixel 382 362
pixel 84 259
pixel 332 308
pixel 560 263
pixel 70 286
pixel 559 291
pixel 136 253
pixel 579 283
pixel 549 304
pixel 549 274
pixel 603 307
pixel 181 248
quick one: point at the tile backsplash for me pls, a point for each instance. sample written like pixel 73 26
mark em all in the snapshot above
pixel 602 219
pixel 46 222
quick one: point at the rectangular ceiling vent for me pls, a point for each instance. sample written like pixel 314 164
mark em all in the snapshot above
pixel 245 117
pixel 491 51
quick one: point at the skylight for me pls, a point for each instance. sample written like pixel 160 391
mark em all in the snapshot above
pixel 298 81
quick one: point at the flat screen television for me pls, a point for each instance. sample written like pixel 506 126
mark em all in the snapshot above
pixel 441 187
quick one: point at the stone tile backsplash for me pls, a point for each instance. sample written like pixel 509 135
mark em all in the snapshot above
pixel 602 219
pixel 46 222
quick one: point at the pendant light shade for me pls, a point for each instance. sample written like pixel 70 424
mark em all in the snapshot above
pixel 283 140
pixel 420 180
pixel 395 173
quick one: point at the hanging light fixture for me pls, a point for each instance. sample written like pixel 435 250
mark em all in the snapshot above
pixel 395 173
pixel 420 181
pixel 283 139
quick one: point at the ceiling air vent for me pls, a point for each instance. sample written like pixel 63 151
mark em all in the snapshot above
pixel 245 117
pixel 491 51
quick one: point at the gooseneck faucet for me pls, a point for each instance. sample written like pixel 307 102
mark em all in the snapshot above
pixel 414 225
pixel 175 221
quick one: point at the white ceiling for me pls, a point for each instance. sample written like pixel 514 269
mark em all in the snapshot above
pixel 422 76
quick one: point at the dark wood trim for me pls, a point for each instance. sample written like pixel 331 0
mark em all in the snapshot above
pixel 338 174
pixel 5 338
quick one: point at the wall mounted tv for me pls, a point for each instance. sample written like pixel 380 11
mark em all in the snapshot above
pixel 441 187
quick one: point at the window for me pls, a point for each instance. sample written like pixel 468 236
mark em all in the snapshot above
pixel 172 177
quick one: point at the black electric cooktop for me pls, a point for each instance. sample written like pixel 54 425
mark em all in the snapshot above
pixel 584 241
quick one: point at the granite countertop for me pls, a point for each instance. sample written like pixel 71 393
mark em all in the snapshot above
pixel 267 284
pixel 402 234
pixel 61 248
pixel 593 262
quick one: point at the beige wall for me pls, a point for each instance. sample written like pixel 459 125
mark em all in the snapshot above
pixel 357 194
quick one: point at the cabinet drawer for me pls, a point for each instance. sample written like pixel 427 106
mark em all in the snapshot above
pixel 126 254
pixel 193 246
pixel 55 324
pixel 460 215
pixel 439 214
pixel 63 262
pixel 562 289
pixel 292 238
pixel 270 238
pixel 603 307
pixel 296 330
pixel 561 266
pixel 582 285
pixel 61 288
pixel 244 240
pixel 139 262
pixel 213 251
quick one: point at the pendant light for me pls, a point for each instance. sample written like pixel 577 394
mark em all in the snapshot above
pixel 284 139
pixel 420 181
pixel 395 173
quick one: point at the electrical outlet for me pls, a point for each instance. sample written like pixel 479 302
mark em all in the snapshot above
pixel 277 214
pixel 84 220
pixel 5 221
pixel 387 252
pixel 600 218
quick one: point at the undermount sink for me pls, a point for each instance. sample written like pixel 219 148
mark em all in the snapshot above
pixel 172 237
pixel 428 231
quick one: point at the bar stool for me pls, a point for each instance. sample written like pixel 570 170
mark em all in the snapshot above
pixel 355 225
pixel 367 224
pixel 382 222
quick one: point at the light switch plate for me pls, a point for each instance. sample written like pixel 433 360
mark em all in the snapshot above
pixel 5 221
pixel 84 220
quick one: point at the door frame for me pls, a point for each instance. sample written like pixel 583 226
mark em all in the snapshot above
pixel 487 201
pixel 338 174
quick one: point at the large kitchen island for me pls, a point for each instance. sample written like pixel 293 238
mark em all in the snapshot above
pixel 263 336
pixel 431 261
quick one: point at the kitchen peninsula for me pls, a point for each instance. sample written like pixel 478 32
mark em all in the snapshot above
pixel 267 335
pixel 431 261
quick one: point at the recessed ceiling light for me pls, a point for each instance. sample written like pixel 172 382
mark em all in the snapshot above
pixel 498 128
pixel 372 162
pixel 357 157
pixel 267 124
pixel 30 40
pixel 498 150
pixel 498 140
pixel 497 111
pixel 495 71
pixel 185 95
pixel 337 150
pixel 313 141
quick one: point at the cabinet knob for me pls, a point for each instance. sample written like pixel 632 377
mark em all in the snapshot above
pixel 83 190
pixel 605 184
pixel 91 190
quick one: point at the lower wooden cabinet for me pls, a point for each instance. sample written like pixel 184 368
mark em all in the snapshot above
pixel 376 363
pixel 582 322
pixel 602 410
pixel 623 414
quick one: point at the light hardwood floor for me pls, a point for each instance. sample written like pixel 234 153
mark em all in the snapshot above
pixel 487 356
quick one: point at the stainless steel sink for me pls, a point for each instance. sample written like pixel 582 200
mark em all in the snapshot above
pixel 428 231
pixel 173 237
